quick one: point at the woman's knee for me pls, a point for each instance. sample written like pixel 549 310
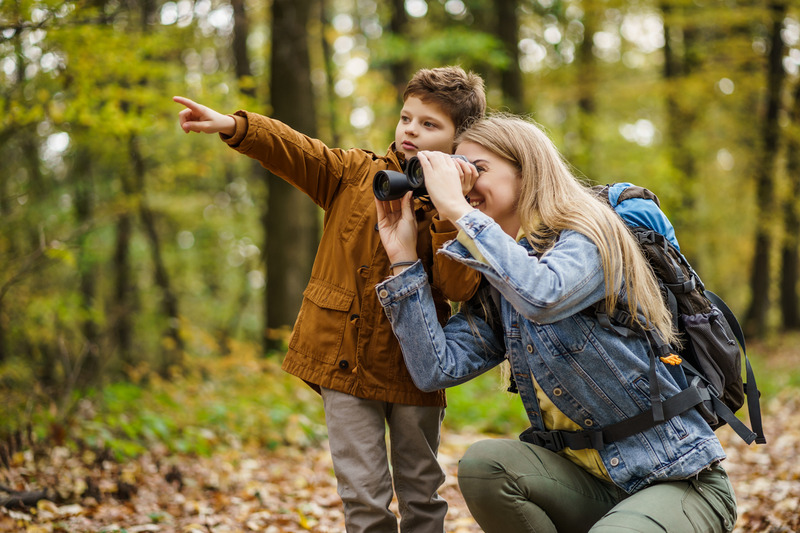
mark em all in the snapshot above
pixel 481 460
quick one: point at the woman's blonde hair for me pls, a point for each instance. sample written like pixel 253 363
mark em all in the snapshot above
pixel 552 200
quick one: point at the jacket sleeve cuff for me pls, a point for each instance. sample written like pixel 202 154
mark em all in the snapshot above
pixel 402 285
pixel 241 130
pixel 473 222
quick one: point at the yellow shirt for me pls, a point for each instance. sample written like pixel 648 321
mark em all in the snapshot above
pixel 553 418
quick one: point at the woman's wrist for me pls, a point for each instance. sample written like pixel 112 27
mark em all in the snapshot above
pixel 455 211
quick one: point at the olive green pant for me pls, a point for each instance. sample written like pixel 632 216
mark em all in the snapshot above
pixel 512 486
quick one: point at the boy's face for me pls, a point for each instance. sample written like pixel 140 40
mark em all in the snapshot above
pixel 423 126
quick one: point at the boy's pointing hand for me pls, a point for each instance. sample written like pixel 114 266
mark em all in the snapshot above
pixel 202 119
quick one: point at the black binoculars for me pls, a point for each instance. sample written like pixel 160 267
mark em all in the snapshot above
pixel 393 185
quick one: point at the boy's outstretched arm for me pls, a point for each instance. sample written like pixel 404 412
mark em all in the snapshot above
pixel 202 119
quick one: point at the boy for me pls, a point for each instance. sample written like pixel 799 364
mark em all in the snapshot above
pixel 342 343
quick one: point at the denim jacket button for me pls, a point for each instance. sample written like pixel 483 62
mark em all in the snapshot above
pixel 588 423
pixel 614 461
pixel 529 348
pixel 557 392
pixel 384 293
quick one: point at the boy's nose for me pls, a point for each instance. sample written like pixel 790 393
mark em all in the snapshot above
pixel 411 128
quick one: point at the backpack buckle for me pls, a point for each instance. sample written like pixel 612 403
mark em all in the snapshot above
pixel 551 440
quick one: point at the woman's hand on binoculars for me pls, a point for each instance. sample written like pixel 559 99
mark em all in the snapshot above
pixel 397 226
pixel 469 173
pixel 447 181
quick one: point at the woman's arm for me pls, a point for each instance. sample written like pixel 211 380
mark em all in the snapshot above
pixel 567 279
pixel 436 357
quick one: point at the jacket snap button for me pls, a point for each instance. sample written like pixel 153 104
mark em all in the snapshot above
pixel 588 423
pixel 529 348
pixel 384 293
pixel 614 461
pixel 557 392
pixel 343 365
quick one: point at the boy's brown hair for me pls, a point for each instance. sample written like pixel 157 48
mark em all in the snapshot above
pixel 460 94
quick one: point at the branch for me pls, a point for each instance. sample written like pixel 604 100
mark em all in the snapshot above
pixel 21 500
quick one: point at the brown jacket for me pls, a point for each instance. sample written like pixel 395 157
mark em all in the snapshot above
pixel 342 339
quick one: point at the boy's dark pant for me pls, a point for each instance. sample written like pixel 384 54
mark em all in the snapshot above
pixel 512 486
pixel 357 436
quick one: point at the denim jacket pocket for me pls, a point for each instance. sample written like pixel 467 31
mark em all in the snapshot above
pixel 566 337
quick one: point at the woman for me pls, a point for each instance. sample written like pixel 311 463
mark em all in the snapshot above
pixel 549 250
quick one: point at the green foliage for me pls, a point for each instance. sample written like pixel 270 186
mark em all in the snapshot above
pixel 220 402
pixel 483 405
pixel 239 400
pixel 448 46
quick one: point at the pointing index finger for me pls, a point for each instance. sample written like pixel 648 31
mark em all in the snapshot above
pixel 185 101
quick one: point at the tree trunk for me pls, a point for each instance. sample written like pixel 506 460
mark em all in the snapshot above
pixel 241 56
pixel 87 271
pixel 327 57
pixel 507 31
pixel 587 86
pixel 172 355
pixel 398 25
pixel 756 319
pixel 247 86
pixel 790 256
pixel 291 223
pixel 123 303
pixel 681 116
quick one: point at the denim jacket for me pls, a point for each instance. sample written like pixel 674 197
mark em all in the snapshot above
pixel 594 376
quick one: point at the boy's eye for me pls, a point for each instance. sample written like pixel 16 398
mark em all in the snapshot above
pixel 430 125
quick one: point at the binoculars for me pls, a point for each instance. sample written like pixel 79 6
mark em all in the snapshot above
pixel 393 185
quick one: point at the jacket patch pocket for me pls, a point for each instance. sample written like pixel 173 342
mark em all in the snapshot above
pixel 320 326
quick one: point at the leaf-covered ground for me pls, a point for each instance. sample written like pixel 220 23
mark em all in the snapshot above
pixel 288 490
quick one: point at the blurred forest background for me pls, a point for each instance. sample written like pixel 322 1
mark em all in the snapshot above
pixel 136 261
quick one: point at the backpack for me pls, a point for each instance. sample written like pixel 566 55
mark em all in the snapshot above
pixel 712 338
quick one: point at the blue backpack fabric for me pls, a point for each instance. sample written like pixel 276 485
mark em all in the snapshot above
pixel 639 207
pixel 713 345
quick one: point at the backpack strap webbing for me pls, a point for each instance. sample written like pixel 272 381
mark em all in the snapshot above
pixel 557 440
pixel 750 387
